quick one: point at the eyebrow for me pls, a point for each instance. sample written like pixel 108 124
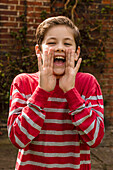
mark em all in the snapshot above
pixel 68 39
pixel 53 38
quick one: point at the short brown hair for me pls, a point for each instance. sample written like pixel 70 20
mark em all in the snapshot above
pixel 53 21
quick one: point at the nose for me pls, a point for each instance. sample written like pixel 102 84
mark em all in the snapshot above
pixel 60 48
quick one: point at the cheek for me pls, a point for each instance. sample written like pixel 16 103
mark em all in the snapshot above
pixel 71 48
pixel 47 48
pixel 44 48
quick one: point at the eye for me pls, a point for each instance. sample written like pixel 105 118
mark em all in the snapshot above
pixel 67 44
pixel 51 43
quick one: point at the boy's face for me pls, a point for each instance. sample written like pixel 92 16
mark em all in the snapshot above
pixel 60 38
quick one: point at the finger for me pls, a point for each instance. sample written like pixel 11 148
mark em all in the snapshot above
pixel 72 59
pixel 78 65
pixel 52 62
pixel 67 57
pixel 52 58
pixel 76 57
pixel 45 58
pixel 39 62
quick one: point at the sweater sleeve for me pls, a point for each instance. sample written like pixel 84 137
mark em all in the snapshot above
pixel 87 113
pixel 26 114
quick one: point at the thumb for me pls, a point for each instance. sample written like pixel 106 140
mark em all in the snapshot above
pixel 78 65
pixel 37 49
pixel 39 62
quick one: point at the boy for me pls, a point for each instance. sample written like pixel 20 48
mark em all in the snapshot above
pixel 56 114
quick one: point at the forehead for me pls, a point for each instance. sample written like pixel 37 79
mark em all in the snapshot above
pixel 60 31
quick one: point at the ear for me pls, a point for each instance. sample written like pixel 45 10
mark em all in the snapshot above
pixel 77 54
pixel 37 49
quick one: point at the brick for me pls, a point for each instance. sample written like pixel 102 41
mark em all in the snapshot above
pixel 8 13
pixel 38 20
pixel 33 14
pixel 34 3
pixel 4 1
pixel 3 18
pixel 30 32
pixel 12 19
pixel 12 7
pixel 46 3
pixel 109 112
pixel 18 19
pixel 106 1
pixel 20 7
pixel 29 8
pixel 31 37
pixel 107 76
pixel 20 13
pixel 3 6
pixel 2 30
pixel 109 55
pixel 4 42
pixel 13 2
pixel 9 2
pixel 40 9
pixel 30 20
pixel 10 24
pixel 5 36
pixel 22 2
pixel 111 61
pixel 14 29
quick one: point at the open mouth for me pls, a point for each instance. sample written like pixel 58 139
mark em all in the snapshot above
pixel 59 59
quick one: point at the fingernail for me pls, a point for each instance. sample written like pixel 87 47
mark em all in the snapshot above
pixel 38 55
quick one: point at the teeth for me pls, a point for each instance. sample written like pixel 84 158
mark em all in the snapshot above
pixel 59 57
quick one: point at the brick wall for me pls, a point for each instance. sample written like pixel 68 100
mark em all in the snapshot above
pixel 106 79
pixel 10 11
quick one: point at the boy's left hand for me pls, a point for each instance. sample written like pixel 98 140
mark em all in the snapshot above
pixel 67 81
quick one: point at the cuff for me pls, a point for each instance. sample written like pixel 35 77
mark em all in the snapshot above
pixel 74 99
pixel 39 97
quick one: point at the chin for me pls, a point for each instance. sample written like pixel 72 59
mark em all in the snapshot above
pixel 58 74
pixel 59 71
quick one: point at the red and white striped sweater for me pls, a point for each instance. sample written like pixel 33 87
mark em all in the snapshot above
pixel 55 130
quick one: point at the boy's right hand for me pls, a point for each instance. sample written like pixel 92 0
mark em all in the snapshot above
pixel 47 80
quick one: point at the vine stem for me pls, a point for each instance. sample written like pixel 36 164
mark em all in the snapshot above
pixel 53 3
pixel 65 5
pixel 72 11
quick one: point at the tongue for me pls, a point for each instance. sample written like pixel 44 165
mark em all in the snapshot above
pixel 58 62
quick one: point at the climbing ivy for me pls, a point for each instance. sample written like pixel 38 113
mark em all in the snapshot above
pixel 23 61
pixel 93 37
pixel 93 41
